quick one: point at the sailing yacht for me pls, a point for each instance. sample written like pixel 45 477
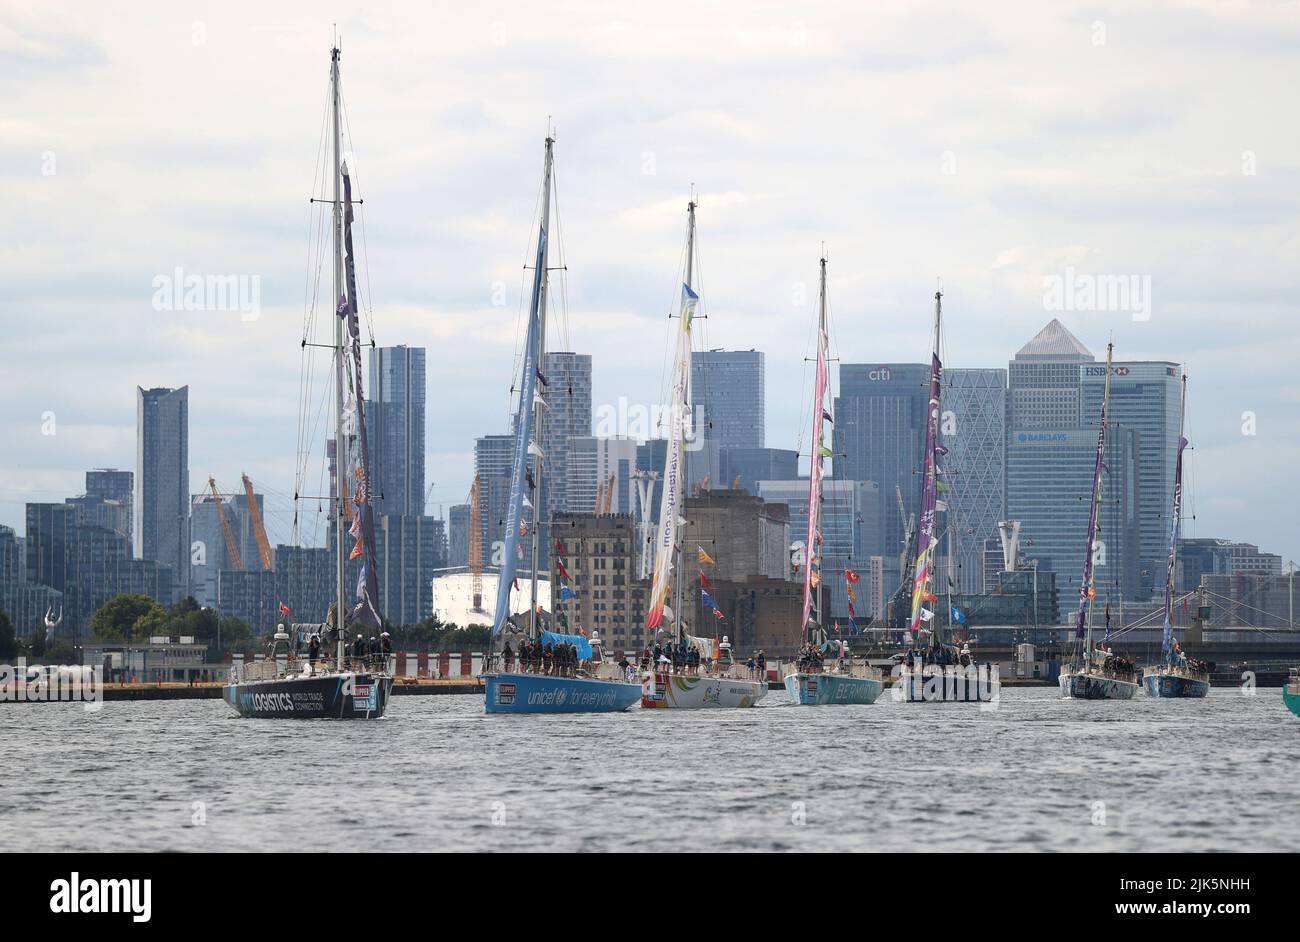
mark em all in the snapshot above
pixel 344 687
pixel 825 671
pixel 1177 675
pixel 938 671
pixel 717 683
pixel 1291 692
pixel 1096 673
pixel 596 685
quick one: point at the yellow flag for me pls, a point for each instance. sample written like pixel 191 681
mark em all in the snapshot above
pixel 704 557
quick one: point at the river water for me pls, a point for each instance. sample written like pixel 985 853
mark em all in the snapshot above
pixel 1037 773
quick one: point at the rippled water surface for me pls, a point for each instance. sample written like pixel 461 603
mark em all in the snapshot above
pixel 1039 773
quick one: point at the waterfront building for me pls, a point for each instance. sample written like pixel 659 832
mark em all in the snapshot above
pixel 595 461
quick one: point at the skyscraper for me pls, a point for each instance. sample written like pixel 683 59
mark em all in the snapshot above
pixel 1051 449
pixel 395 429
pixel 879 436
pixel 728 389
pixel 162 479
pixel 1145 396
pixel 973 429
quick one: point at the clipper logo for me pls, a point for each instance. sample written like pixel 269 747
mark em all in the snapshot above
pixel 76 895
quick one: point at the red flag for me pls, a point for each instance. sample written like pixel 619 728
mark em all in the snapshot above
pixel 852 610
pixel 717 613
pixel 851 576
pixel 704 582
pixel 564 573
pixel 358 549
pixel 285 610
pixel 559 548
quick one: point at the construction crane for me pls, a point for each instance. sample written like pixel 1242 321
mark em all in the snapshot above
pixel 476 543
pixel 600 499
pixel 232 549
pixel 259 530
pixel 610 488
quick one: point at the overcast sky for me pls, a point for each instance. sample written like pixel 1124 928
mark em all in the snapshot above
pixel 990 147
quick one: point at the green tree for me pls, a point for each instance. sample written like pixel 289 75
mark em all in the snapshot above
pixel 235 635
pixel 60 652
pixel 8 640
pixel 119 618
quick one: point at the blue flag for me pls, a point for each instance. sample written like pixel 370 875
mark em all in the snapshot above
pixel 566 593
pixel 958 615
pixel 708 599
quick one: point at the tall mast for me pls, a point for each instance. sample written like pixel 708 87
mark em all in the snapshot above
pixel 938 320
pixel 340 543
pixel 1167 637
pixel 812 594
pixel 820 406
pixel 1087 590
pixel 690 274
pixel 537 407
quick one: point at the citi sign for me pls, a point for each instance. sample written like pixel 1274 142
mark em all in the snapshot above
pixel 881 374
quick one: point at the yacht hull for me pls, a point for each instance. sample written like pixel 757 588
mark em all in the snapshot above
pixel 1096 687
pixel 948 684
pixel 1292 700
pixel 1168 686
pixel 346 696
pixel 540 693
pixel 823 689
pixel 682 692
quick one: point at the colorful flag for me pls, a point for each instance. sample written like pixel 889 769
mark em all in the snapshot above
pixel 708 600
pixel 285 610
pixel 704 557
pixel 958 615
pixel 718 615
pixel 852 576
pixel 357 550
pixel 566 593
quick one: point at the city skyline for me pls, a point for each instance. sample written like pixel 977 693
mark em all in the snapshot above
pixel 1066 203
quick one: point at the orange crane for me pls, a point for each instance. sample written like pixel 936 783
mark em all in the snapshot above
pixel 259 530
pixel 610 489
pixel 232 549
pixel 600 499
pixel 476 543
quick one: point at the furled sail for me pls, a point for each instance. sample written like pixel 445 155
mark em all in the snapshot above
pixel 1086 590
pixel 670 500
pixel 356 449
pixel 1167 639
pixel 926 541
pixel 524 445
pixel 812 545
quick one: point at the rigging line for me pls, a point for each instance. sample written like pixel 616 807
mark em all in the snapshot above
pixel 562 321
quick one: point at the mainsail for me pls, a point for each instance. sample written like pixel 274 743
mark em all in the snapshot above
pixel 670 501
pixel 813 539
pixel 1086 589
pixel 1167 639
pixel 355 449
pixel 926 542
